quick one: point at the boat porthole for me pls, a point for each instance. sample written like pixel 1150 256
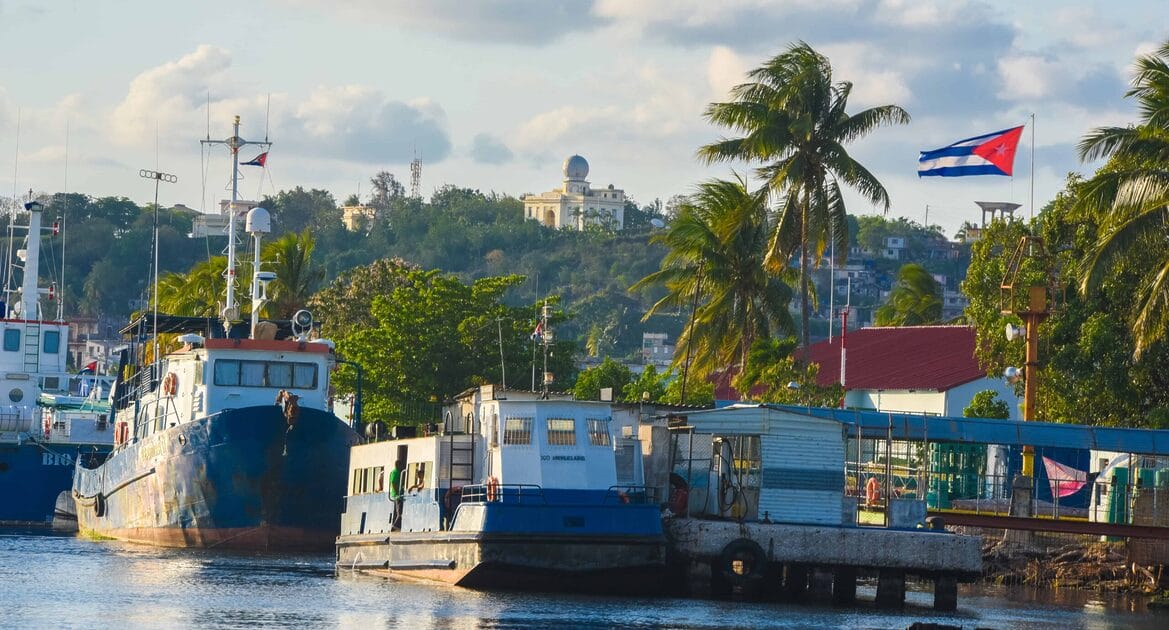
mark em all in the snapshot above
pixel 16 395
pixel 182 439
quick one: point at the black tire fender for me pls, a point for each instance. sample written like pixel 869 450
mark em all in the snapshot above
pixel 751 556
pixel 99 505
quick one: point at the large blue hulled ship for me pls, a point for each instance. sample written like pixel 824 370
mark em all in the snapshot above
pixel 228 441
pixel 46 424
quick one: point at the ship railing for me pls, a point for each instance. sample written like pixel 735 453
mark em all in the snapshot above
pixel 630 495
pixel 509 493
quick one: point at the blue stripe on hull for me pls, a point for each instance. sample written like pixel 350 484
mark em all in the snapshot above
pixel 31 477
pixel 235 471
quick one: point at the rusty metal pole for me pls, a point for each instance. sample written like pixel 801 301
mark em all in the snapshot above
pixel 1034 315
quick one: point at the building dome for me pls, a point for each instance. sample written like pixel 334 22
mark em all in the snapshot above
pixel 576 167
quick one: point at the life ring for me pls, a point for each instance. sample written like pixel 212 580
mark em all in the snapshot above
pixel 492 488
pixel 170 384
pixel 742 561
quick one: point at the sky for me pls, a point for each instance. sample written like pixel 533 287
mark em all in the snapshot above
pixel 495 94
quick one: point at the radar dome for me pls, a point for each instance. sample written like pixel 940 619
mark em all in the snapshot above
pixel 576 167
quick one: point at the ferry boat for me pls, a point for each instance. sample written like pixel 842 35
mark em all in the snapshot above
pixel 38 446
pixel 229 441
pixel 512 491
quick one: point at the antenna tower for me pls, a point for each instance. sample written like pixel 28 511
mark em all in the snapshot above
pixel 416 177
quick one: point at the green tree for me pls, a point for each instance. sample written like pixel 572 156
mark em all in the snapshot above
pixel 1132 196
pixel 986 404
pixel 771 371
pixel 290 257
pixel 346 305
pixel 299 209
pixel 699 391
pixel 648 382
pixel 915 300
pixel 717 245
pixel 793 120
pixel 608 374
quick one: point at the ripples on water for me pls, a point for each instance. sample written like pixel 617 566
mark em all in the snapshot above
pixel 57 581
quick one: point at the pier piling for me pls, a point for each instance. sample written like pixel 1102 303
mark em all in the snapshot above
pixel 844 585
pixel 890 589
pixel 945 593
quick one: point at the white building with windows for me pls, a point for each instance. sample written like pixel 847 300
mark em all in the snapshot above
pixel 576 203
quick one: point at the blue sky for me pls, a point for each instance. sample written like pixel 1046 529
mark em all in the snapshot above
pixel 494 94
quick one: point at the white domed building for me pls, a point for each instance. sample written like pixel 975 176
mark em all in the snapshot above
pixel 577 204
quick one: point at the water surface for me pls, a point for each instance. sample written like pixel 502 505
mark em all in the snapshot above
pixel 60 581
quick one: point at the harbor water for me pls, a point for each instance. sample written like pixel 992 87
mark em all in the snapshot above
pixel 53 581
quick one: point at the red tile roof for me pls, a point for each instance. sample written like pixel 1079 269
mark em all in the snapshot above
pixel 910 357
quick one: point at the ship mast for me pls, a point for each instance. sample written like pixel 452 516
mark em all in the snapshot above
pixel 230 311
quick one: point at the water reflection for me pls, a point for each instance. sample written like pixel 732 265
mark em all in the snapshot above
pixel 56 581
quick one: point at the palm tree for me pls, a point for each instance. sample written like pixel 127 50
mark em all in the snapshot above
pixel 714 269
pixel 199 292
pixel 915 300
pixel 793 122
pixel 1131 196
pixel 290 256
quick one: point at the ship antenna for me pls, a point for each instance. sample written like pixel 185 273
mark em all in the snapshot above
pixel 230 310
pixel 8 289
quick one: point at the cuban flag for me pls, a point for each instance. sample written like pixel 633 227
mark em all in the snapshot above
pixel 990 154
pixel 260 160
pixel 538 332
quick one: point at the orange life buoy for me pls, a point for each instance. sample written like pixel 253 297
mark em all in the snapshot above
pixel 170 384
pixel 872 491
pixel 492 488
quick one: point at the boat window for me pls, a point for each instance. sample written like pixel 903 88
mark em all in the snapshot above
pixel 251 373
pixel 280 375
pixel 226 372
pixel 304 375
pixel 52 342
pixel 416 477
pixel 562 431
pixel 11 339
pixel 599 432
pixel 276 374
pixel 517 431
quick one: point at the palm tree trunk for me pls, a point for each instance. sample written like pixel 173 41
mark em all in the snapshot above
pixel 804 270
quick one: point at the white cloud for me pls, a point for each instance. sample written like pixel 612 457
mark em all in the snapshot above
pixel 161 97
pixel 360 124
pixel 1027 77
pixel 724 70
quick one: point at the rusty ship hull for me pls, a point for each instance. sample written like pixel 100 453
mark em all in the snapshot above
pixel 238 479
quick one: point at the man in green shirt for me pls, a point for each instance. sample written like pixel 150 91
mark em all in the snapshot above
pixel 396 494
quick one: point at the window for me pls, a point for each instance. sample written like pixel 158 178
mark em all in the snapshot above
pixel 280 375
pixel 599 432
pixel 226 372
pixel 11 339
pixel 517 431
pixel 275 374
pixel 561 431
pixel 52 342
pixel 251 373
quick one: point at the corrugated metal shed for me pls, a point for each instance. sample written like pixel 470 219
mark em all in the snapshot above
pixel 802 476
pixel 990 431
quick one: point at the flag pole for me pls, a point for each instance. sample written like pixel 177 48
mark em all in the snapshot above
pixel 1032 205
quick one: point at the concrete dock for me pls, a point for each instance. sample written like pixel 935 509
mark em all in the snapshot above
pixel 769 560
